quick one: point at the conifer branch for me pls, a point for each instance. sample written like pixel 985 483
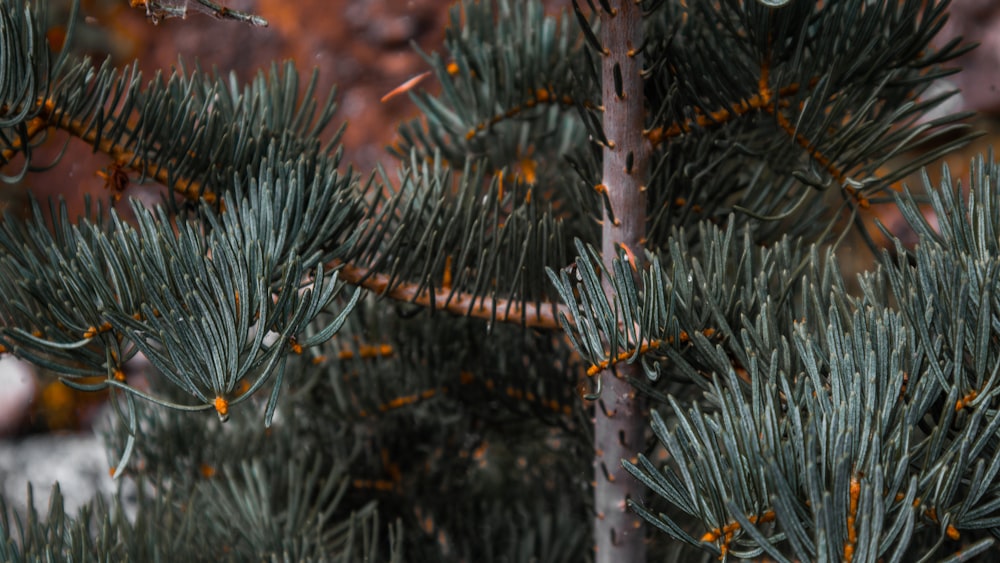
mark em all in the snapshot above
pixel 771 102
pixel 35 126
pixel 756 102
pixel 794 419
pixel 531 315
pixel 51 116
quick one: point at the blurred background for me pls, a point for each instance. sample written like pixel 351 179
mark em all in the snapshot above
pixel 365 48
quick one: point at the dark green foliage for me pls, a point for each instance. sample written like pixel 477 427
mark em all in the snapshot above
pixel 896 400
pixel 794 418
pixel 845 76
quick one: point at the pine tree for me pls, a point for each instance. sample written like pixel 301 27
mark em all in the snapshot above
pixel 596 316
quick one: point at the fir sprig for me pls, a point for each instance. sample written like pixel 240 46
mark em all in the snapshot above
pixel 802 434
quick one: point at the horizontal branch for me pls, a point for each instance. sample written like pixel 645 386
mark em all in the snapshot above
pixel 34 127
pixel 545 316
pixel 653 345
pixel 768 101
pixel 49 116
pixel 760 101
pixel 538 97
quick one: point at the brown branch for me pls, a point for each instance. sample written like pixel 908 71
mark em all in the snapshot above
pixel 365 352
pixel 840 175
pixel 537 97
pixel 852 515
pixel 764 100
pixel 545 316
pixel 49 116
pixel 467 378
pixel 653 344
pixel 727 532
pixel 759 101
pixel 404 400
pixel 35 126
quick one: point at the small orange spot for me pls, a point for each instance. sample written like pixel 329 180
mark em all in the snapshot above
pixel 453 68
pixel 59 405
pixel 964 401
pixel 222 407
pixel 655 136
pixel 56 37
pixel 207 471
pixel 952 532
pixel 119 375
pixel 446 277
pixel 480 452
pixel 529 170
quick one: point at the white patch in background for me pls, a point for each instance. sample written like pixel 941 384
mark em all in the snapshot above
pixel 17 392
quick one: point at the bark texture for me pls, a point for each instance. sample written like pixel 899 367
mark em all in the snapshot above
pixel 619 534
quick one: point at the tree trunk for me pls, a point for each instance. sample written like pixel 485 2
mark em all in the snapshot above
pixel 619 422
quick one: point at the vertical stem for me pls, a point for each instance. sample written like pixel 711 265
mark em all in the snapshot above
pixel 619 418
